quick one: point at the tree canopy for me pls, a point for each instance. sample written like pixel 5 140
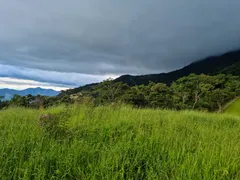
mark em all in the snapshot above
pixel 196 92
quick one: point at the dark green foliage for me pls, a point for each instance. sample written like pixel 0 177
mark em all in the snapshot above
pixel 234 69
pixel 201 92
pixel 136 96
pixel 3 104
pixel 160 96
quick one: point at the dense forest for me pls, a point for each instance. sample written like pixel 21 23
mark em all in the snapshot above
pixel 200 92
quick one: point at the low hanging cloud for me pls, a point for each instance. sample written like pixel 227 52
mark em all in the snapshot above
pixel 105 37
pixel 54 78
pixel 20 84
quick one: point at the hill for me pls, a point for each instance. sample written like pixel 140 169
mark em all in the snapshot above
pixel 234 108
pixel 228 63
pixel 118 143
pixel 85 88
pixel 9 93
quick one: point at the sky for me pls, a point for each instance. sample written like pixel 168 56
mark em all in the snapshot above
pixel 63 44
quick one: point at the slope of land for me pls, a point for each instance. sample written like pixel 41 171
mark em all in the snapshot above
pixel 228 63
pixel 234 108
pixel 118 143
pixel 234 69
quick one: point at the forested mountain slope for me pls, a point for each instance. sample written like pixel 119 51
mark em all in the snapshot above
pixel 228 63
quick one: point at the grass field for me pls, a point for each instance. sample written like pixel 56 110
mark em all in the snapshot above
pixel 234 108
pixel 119 143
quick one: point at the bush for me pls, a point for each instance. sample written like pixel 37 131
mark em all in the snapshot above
pixel 55 125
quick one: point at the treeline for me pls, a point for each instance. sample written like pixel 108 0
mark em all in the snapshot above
pixel 197 92
pixel 201 92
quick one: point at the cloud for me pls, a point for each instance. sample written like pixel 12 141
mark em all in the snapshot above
pixel 113 37
pixel 60 79
pixel 20 84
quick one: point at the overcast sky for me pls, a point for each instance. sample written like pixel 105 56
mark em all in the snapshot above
pixel 68 43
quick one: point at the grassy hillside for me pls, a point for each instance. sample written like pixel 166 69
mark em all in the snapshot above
pixel 234 108
pixel 118 143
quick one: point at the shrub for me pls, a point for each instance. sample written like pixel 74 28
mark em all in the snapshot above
pixel 55 125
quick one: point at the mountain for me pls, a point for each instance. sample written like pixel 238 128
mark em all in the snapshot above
pixel 9 93
pixel 228 63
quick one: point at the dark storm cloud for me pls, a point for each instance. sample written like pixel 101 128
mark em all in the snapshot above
pixel 117 37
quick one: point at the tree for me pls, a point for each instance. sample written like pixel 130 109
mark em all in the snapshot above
pixel 109 91
pixel 200 91
pixel 17 100
pixel 181 93
pixel 136 96
pixel 159 96
pixel 233 83
pixel 219 97
pixel 3 104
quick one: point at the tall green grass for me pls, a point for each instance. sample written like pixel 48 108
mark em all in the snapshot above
pixel 120 143
pixel 234 108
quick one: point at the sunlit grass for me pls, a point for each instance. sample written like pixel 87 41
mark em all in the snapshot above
pixel 234 108
pixel 120 143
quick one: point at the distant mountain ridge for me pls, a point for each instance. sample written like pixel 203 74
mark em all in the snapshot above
pixel 228 63
pixel 9 93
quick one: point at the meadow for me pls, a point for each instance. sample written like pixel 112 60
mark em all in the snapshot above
pixel 234 108
pixel 105 142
